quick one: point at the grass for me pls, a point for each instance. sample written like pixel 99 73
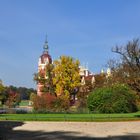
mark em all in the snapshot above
pixel 24 103
pixel 72 117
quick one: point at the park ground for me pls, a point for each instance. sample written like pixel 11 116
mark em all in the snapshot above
pixel 13 130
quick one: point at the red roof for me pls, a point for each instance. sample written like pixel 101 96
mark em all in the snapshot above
pixel 89 77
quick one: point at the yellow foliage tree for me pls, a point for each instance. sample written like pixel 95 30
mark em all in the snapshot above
pixel 66 75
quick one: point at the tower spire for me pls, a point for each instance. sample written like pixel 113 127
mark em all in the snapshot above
pixel 46 47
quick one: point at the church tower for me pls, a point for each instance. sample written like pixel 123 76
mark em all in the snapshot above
pixel 44 60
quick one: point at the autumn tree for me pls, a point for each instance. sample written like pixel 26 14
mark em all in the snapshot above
pixel 100 80
pixel 127 69
pixel 66 76
pixel 13 99
pixel 86 87
pixel 61 104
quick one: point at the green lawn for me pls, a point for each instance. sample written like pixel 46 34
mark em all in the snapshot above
pixel 24 103
pixel 71 117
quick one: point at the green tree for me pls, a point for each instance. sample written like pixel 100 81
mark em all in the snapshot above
pixel 117 98
pixel 66 75
pixel 25 92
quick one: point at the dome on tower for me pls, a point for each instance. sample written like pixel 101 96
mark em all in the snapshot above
pixel 45 58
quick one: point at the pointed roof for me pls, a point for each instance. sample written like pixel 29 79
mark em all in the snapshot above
pixel 45 56
pixel 46 47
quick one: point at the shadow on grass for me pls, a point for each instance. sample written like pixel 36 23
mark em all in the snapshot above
pixel 7 133
pixel 138 116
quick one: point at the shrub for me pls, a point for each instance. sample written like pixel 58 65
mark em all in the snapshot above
pixel 21 111
pixel 49 103
pixel 44 103
pixel 114 99
pixel 62 104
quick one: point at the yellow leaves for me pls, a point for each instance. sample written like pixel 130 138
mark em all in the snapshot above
pixel 63 75
pixel 59 89
pixel 66 71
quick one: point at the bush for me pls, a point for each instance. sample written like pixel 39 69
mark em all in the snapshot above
pixel 21 111
pixel 62 104
pixel 44 103
pixel 114 99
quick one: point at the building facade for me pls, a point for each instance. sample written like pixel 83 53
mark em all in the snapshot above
pixel 86 75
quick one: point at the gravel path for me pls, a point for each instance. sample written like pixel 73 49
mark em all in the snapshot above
pixel 97 129
pixel 75 131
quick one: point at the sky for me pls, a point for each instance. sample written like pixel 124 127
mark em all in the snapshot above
pixel 83 29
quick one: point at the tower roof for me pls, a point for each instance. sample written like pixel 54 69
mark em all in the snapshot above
pixel 45 56
pixel 46 47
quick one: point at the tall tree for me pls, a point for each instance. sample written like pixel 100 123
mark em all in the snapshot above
pixel 66 75
pixel 128 68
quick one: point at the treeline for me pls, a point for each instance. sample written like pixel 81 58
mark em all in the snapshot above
pixel 24 92
pixel 11 95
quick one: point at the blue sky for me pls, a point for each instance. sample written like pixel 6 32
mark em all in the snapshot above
pixel 83 29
